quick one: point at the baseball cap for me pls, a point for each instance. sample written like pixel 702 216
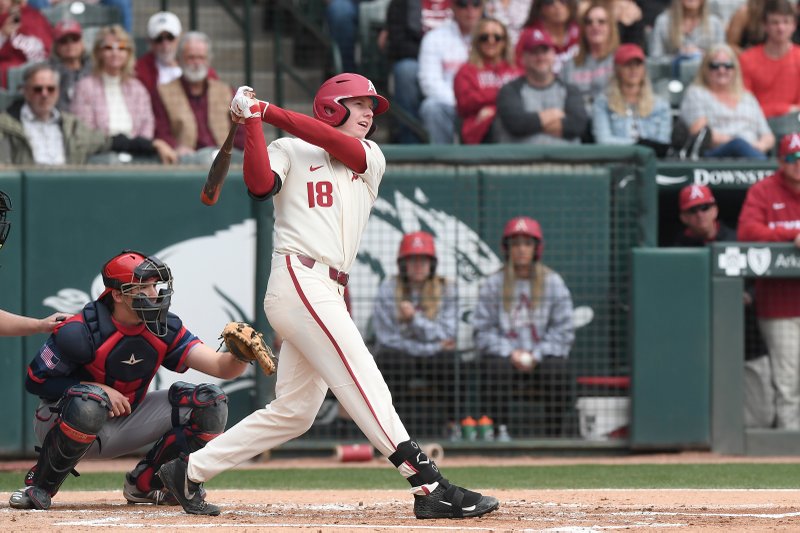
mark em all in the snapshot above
pixel 67 27
pixel 627 52
pixel 163 21
pixel 693 195
pixel 789 149
pixel 536 39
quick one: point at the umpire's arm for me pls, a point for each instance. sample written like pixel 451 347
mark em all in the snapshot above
pixel 220 364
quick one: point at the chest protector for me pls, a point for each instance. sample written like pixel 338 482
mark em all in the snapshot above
pixel 126 361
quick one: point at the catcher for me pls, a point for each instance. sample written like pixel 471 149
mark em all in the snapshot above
pixel 92 376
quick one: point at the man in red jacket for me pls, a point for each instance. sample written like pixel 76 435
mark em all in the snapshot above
pixel 771 213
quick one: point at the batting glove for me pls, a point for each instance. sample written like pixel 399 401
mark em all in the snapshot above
pixel 244 105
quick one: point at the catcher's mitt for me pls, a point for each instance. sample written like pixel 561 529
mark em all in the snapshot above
pixel 247 344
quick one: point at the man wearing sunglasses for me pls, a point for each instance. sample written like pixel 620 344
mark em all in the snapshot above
pixel 160 65
pixel 70 59
pixel 771 213
pixel 698 212
pixel 18 325
pixel 34 131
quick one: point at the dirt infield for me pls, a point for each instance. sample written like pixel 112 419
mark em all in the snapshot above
pixel 574 511
pixel 337 511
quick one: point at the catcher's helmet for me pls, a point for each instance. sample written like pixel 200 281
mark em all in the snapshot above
pixel 128 272
pixel 5 226
pixel 416 243
pixel 327 103
pixel 524 226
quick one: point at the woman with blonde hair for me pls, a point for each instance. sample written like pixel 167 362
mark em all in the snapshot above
pixel 415 320
pixel 523 332
pixel 686 30
pixel 490 66
pixel 112 100
pixel 718 100
pixel 629 112
pixel 591 67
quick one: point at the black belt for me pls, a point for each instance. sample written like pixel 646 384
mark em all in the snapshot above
pixel 336 275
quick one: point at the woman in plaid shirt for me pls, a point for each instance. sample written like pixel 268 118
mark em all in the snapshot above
pixel 717 99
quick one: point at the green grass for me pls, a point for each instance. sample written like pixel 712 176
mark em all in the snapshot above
pixel 585 476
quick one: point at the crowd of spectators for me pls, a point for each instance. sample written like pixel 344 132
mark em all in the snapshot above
pixel 464 71
pixel 97 102
pixel 733 73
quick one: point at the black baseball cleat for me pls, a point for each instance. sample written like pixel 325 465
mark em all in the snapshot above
pixel 188 493
pixel 451 501
pixel 30 498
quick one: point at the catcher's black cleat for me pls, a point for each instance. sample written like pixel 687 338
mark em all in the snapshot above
pixel 30 498
pixel 451 501
pixel 155 496
pixel 188 493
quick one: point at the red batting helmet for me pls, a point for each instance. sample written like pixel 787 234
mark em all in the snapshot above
pixel 327 106
pixel 417 243
pixel 127 272
pixel 524 226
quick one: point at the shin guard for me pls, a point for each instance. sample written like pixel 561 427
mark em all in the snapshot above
pixel 207 420
pixel 420 470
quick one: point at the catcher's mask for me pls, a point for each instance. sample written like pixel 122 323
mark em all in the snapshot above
pixel 328 106
pixel 130 272
pixel 524 226
pixel 5 226
pixel 416 243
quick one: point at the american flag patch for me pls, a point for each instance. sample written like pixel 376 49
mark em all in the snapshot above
pixel 49 357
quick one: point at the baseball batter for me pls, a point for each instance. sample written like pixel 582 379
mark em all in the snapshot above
pixel 323 184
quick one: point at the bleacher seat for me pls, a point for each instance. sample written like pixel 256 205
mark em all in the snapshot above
pixel 14 76
pixel 89 35
pixel 88 15
pixel 784 124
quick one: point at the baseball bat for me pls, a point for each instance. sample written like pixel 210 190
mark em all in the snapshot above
pixel 219 169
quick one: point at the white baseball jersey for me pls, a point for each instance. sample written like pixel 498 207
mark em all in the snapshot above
pixel 323 206
pixel 320 212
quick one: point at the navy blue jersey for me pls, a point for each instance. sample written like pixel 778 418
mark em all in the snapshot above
pixel 92 346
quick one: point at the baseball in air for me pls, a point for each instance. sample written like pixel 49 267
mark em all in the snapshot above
pixel 526 359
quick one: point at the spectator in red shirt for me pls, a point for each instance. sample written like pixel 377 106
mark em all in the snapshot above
pixel 771 213
pixel 489 67
pixel 25 36
pixel 771 71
